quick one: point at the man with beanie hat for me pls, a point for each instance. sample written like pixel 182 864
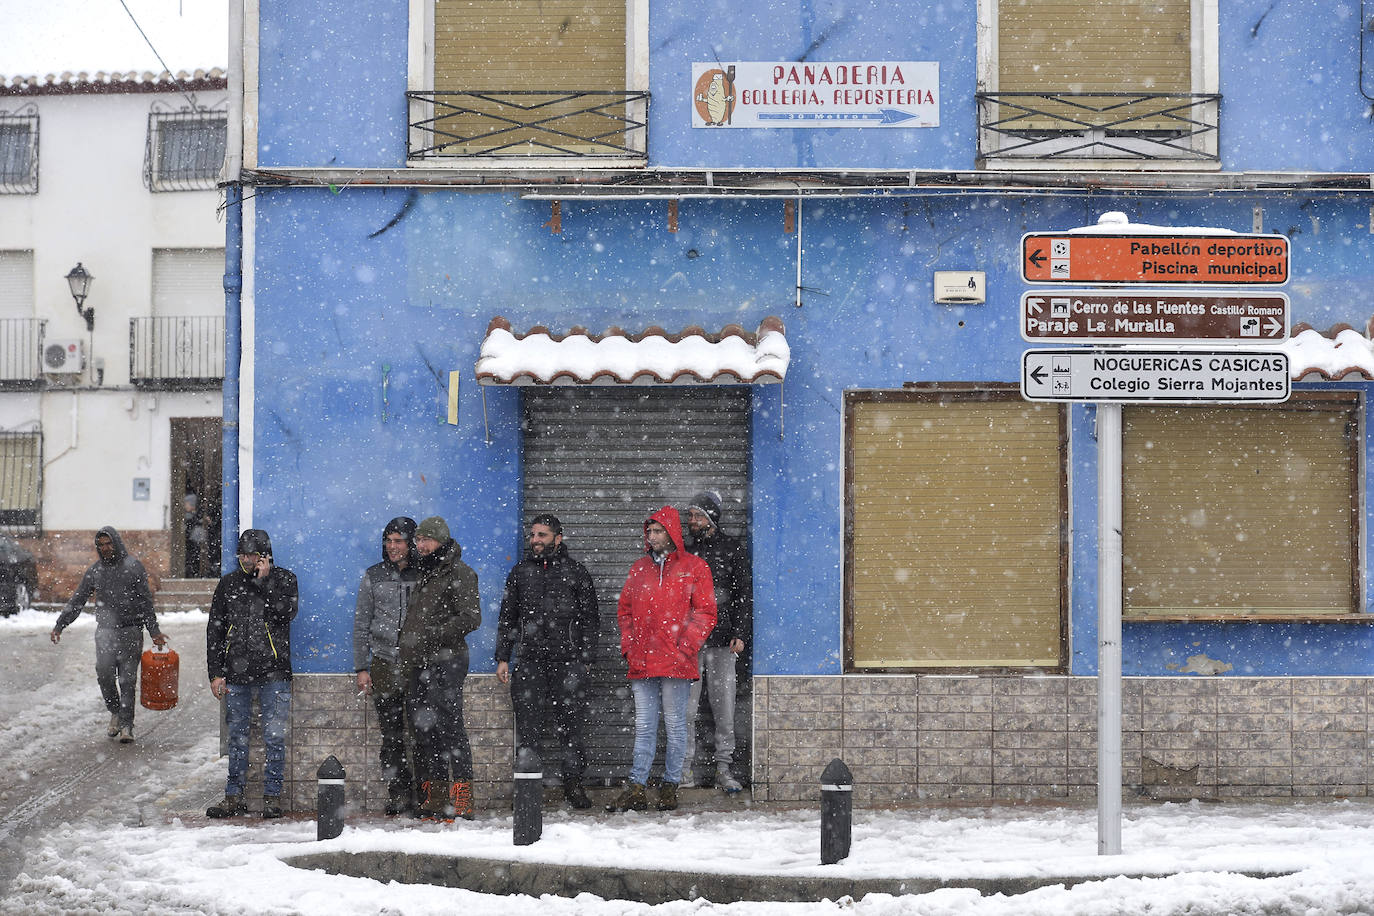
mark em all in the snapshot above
pixel 248 653
pixel 444 608
pixel 377 618
pixel 549 608
pixel 124 610
pixel 733 582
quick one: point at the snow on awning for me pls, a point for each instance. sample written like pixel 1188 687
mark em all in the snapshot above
pixel 731 357
pixel 1340 353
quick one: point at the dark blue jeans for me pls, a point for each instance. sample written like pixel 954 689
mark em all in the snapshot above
pixel 274 702
pixel 435 703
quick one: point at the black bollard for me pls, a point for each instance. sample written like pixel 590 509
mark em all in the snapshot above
pixel 837 811
pixel 529 797
pixel 329 799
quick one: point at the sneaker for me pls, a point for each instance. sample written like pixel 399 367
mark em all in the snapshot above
pixel 667 796
pixel 271 806
pixel 726 780
pixel 575 795
pixel 232 806
pixel 113 729
pixel 126 734
pixel 632 799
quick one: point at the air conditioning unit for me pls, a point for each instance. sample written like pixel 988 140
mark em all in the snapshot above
pixel 63 356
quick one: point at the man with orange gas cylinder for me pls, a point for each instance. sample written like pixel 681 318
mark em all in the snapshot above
pixel 124 608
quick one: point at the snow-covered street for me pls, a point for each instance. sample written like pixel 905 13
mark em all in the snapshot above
pixel 93 827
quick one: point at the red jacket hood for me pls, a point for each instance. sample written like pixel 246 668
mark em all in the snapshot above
pixel 667 517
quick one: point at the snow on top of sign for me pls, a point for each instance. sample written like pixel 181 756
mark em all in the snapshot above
pixel 732 356
pixel 1114 222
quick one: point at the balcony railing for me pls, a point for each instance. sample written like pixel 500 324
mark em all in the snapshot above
pixel 1098 125
pixel 179 351
pixel 21 364
pixel 528 123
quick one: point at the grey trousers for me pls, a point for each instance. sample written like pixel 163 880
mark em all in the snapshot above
pixel 117 654
pixel 716 665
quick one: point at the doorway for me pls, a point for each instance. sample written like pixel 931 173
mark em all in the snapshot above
pixel 195 498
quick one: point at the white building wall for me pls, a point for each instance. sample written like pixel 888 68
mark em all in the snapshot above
pixel 100 433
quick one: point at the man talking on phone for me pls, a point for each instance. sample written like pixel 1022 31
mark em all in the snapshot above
pixel 248 653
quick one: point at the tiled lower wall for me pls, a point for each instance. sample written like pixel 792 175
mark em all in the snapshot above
pixel 931 737
pixel 1015 738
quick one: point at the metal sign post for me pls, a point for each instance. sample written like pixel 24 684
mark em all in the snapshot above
pixel 1109 629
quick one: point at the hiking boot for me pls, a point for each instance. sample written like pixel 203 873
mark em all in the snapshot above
pixel 460 799
pixel 126 734
pixel 667 796
pixel 232 806
pixel 726 780
pixel 631 799
pixel 271 806
pixel 113 729
pixel 575 795
pixel 397 802
pixel 435 802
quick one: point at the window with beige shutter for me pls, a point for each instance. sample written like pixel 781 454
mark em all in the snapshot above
pixel 1126 81
pixel 1242 512
pixel 955 509
pixel 532 78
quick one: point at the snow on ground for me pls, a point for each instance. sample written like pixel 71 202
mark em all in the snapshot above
pixel 103 861
pixel 221 869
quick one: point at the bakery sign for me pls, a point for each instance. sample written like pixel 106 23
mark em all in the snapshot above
pixel 888 93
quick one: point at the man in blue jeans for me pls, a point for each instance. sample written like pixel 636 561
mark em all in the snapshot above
pixel 248 653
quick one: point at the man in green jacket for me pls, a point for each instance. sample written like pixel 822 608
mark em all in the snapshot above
pixel 444 608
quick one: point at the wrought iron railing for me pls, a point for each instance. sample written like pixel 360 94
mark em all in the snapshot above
pixel 19 151
pixel 528 123
pixel 184 150
pixel 21 363
pixel 1098 125
pixel 179 351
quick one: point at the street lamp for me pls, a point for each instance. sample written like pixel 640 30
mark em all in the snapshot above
pixel 79 280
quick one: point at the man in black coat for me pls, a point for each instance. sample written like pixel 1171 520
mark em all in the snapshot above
pixel 549 608
pixel 734 585
pixel 248 654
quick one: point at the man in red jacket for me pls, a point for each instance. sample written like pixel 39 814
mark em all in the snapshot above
pixel 667 607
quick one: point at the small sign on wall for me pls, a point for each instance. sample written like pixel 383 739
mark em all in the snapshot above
pixel 884 93
pixel 143 488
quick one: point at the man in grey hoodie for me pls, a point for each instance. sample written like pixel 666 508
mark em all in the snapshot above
pixel 124 607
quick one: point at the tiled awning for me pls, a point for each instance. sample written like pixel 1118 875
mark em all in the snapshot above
pixel 733 356
pixel 1341 353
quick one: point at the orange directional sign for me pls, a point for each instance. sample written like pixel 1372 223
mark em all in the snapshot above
pixel 1196 260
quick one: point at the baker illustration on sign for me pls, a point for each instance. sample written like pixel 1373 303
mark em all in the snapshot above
pixel 715 96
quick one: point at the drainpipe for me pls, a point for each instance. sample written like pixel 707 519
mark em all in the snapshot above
pixel 233 294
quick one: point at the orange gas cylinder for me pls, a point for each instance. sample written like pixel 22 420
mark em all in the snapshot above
pixel 158 682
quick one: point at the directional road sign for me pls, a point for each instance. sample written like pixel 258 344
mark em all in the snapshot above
pixel 1129 316
pixel 1196 260
pixel 1137 376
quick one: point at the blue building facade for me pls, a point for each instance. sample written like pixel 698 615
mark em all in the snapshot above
pixel 381 240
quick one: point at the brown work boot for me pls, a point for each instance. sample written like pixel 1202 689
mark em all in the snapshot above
pixel 667 796
pixel 460 797
pixel 434 803
pixel 631 799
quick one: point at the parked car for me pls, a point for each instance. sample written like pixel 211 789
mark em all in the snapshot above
pixel 18 577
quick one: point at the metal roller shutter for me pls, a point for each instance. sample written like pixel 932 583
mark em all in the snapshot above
pixel 1241 512
pixel 188 281
pixel 955 538
pixel 603 459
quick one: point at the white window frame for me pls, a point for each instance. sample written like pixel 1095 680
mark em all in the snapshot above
pixel 1206 51
pixel 420 78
